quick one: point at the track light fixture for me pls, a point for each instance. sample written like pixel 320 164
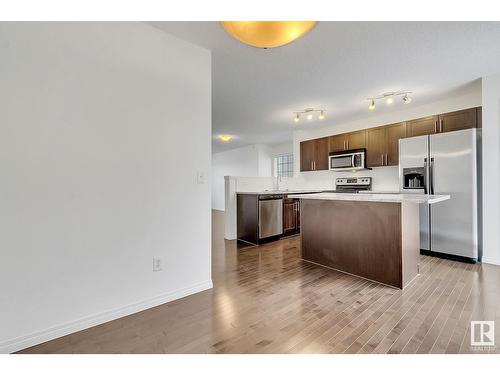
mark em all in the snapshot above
pixel 309 112
pixel 388 97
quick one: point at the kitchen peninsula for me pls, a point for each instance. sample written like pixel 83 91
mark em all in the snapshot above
pixel 374 236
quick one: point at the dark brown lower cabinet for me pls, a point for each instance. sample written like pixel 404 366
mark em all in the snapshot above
pixel 291 217
pixel 378 241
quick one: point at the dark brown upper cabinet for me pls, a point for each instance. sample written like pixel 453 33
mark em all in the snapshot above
pixel 356 140
pixel 422 126
pixel 446 122
pixel 321 154
pixel 458 120
pixel 393 133
pixel 375 147
pixel 314 155
pixel 382 144
pixel 347 141
pixel 307 155
pixel 336 143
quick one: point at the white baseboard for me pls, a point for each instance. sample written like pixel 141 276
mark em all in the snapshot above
pixel 494 261
pixel 39 337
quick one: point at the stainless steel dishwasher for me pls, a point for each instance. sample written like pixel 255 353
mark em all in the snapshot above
pixel 270 215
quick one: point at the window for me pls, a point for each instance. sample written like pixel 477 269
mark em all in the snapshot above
pixel 284 165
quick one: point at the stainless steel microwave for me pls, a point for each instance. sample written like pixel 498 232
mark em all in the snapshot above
pixel 350 160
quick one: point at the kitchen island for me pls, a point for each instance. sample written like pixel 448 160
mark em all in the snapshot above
pixel 373 236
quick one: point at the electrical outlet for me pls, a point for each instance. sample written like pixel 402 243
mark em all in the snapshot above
pixel 157 266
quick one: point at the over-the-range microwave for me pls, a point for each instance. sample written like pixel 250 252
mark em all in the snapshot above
pixel 350 160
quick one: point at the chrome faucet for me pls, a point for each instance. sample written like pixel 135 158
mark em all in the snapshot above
pixel 277 185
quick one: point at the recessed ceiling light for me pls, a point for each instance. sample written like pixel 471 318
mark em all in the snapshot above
pixel 225 137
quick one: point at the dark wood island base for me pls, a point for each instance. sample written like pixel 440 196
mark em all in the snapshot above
pixel 378 241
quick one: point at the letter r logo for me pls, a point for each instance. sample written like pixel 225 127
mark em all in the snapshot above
pixel 482 333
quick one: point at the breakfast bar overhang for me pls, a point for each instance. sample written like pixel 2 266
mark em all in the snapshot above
pixel 373 236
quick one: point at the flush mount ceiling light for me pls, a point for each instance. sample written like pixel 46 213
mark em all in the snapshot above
pixel 309 112
pixel 225 137
pixel 389 98
pixel 267 34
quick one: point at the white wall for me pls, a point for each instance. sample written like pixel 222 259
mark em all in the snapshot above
pixel 248 161
pixel 103 128
pixel 384 178
pixel 491 169
pixel 282 148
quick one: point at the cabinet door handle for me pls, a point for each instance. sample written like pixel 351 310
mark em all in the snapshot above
pixel 344 144
pixel 382 158
pixel 440 126
pixel 386 160
pixel 435 126
pixel 312 166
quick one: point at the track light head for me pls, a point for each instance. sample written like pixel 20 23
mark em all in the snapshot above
pixel 406 99
pixel 321 115
pixel 371 106
pixel 296 118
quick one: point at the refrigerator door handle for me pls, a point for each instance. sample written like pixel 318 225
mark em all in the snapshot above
pixel 426 182
pixel 431 176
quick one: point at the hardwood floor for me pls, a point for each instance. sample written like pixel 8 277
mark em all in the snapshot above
pixel 267 300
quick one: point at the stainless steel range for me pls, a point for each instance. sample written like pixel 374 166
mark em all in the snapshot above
pixel 352 184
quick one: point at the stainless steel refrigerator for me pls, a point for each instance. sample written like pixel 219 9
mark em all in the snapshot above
pixel 445 163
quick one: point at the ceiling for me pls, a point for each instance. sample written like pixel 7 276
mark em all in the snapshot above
pixel 336 66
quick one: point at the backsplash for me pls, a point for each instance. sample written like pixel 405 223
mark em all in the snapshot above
pixel 383 179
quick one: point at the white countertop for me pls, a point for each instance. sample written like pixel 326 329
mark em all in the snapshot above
pixel 278 192
pixel 414 198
